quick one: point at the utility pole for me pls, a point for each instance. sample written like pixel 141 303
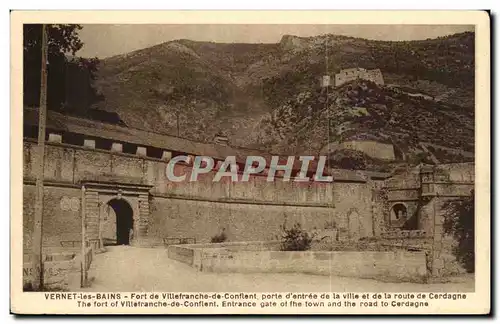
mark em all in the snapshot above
pixel 329 170
pixel 83 261
pixel 326 100
pixel 38 221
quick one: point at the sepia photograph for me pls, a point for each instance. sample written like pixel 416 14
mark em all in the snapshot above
pixel 208 167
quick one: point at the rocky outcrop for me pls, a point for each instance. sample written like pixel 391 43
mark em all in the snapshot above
pixel 294 43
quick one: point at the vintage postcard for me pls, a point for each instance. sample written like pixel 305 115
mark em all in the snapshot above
pixel 322 162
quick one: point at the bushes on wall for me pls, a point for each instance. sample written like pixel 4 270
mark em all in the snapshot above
pixel 219 238
pixel 459 222
pixel 295 238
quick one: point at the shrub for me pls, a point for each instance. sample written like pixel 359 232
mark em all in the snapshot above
pixel 295 238
pixel 459 222
pixel 330 225
pixel 219 238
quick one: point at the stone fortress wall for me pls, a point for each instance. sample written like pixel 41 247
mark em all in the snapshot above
pixel 247 211
pixel 348 75
pixel 373 149
pixel 424 190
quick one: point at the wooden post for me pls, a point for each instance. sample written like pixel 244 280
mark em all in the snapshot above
pixel 83 275
pixel 38 217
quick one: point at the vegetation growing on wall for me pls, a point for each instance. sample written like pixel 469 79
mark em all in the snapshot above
pixel 219 238
pixel 296 238
pixel 459 222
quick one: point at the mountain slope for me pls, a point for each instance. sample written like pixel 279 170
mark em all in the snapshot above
pixel 268 95
pixel 362 110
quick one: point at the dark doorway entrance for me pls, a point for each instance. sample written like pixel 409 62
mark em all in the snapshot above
pixel 398 215
pixel 124 220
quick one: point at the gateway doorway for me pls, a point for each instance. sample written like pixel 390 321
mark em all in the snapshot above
pixel 123 222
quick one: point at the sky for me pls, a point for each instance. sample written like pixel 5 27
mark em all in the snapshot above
pixel 107 40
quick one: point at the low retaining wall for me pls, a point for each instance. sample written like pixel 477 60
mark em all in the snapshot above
pixel 182 254
pixel 387 266
pixel 61 267
pixel 188 253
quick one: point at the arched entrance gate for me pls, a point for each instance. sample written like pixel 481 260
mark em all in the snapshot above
pixel 116 213
pixel 117 223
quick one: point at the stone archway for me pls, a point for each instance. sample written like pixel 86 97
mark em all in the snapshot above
pixel 399 214
pixel 118 224
pixel 105 202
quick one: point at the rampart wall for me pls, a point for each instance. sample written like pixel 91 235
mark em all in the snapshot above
pixel 247 211
pixel 370 148
pixel 348 75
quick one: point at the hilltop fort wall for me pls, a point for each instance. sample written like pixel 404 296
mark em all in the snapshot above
pixel 348 75
pixel 371 148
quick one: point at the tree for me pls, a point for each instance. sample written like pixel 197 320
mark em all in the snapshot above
pixel 459 222
pixel 69 79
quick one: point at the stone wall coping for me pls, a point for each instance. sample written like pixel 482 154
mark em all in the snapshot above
pixel 84 148
pixel 225 244
pixel 146 158
pixel 219 247
pixel 28 181
pixel 113 184
pixel 242 201
pixel 48 183
pixel 401 188
pixel 451 183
